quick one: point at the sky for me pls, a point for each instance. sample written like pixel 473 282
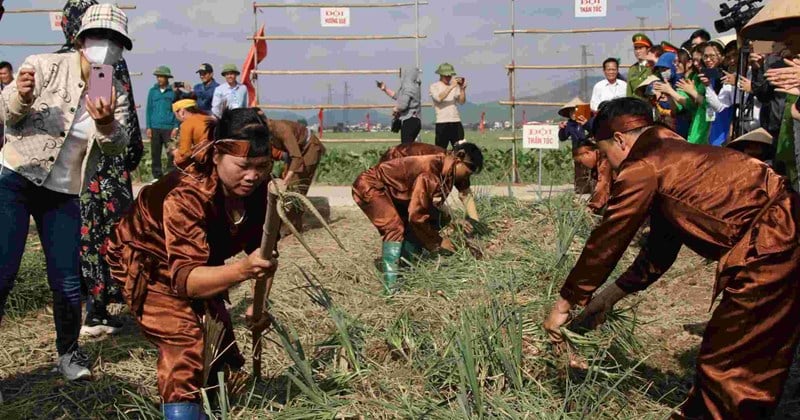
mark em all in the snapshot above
pixel 183 33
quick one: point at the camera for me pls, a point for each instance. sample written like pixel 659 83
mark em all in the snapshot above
pixel 178 85
pixel 736 16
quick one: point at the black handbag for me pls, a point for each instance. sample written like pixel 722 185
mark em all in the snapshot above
pixel 396 125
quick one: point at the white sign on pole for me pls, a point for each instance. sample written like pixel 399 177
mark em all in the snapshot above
pixel 590 8
pixel 336 17
pixel 55 21
pixel 540 136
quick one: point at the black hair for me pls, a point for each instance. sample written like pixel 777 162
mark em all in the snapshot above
pixel 610 60
pixel 473 156
pixel 720 49
pixel 6 65
pixel 658 50
pixel 699 48
pixel 104 34
pixel 245 124
pixel 687 45
pixel 585 143
pixel 702 33
pixel 619 107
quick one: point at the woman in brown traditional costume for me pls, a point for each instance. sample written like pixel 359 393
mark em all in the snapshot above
pixel 402 197
pixel 170 251
pixel 587 155
pixel 740 213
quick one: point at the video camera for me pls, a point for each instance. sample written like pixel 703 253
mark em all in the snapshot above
pixel 736 16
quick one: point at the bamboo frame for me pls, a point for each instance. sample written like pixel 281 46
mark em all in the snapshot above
pixel 322 72
pixel 330 107
pixel 334 37
pixel 23 11
pixel 593 30
pixel 531 103
pixel 31 44
pixel 350 5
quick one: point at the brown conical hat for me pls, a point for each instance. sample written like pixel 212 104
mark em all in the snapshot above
pixel 773 21
pixel 569 106
pixel 756 136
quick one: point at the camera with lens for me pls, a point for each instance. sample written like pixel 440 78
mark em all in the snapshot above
pixel 736 16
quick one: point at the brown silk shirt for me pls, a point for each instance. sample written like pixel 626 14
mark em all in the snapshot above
pixel 703 197
pixel 419 149
pixel 604 175
pixel 421 183
pixel 303 147
pixel 180 223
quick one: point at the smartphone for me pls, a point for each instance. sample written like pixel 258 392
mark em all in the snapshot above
pixel 179 85
pixel 462 80
pixel 712 74
pixel 101 79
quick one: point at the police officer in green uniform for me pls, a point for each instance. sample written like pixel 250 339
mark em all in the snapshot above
pixel 640 70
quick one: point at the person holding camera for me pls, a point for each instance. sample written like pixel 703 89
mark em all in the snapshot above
pixel 447 93
pixel 408 110
pixel 55 136
pixel 162 126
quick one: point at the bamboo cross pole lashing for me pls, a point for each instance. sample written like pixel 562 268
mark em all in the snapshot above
pixel 322 72
pixel 272 226
pixel 591 30
pixel 350 5
pixel 334 37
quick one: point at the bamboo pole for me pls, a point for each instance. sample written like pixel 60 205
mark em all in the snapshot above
pixel 558 67
pixel 531 103
pixel 23 11
pixel 588 30
pixel 310 72
pixel 334 38
pixel 329 107
pixel 31 44
pixel 318 5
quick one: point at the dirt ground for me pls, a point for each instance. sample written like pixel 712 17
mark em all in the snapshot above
pixel 672 312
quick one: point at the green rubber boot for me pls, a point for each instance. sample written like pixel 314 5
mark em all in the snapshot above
pixel 411 250
pixel 391 264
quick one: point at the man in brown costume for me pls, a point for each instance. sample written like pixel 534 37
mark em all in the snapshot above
pixel 305 151
pixel 723 205
pixel 403 197
pixel 170 251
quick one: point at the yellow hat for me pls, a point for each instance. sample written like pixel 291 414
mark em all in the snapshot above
pixel 183 104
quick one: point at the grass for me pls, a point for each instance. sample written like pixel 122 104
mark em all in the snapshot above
pixel 462 339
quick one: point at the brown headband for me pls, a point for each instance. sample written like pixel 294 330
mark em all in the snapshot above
pixel 239 148
pixel 606 128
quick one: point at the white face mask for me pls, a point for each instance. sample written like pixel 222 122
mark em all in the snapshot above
pixel 666 75
pixel 101 51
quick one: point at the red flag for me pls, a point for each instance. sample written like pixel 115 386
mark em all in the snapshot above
pixel 369 126
pixel 482 126
pixel 321 117
pixel 257 53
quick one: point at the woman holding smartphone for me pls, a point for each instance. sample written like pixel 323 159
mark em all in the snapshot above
pixel 408 110
pixel 54 138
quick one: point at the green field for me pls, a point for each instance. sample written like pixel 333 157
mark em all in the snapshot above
pixel 344 161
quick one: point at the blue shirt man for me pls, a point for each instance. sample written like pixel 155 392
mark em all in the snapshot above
pixel 204 91
pixel 230 95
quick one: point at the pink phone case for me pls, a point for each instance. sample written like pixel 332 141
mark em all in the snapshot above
pixel 100 81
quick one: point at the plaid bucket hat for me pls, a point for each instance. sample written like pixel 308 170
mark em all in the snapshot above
pixel 106 16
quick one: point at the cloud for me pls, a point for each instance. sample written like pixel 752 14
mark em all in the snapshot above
pixel 140 22
pixel 316 52
pixel 483 57
pixel 214 13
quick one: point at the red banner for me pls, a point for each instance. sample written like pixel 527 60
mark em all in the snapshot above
pixel 258 52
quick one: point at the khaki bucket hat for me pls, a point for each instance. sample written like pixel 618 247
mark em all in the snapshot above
pixel 773 21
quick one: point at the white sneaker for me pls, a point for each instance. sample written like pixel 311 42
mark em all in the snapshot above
pixel 74 365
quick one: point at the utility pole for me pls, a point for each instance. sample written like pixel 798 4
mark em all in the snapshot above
pixel 641 20
pixel 345 117
pixel 585 54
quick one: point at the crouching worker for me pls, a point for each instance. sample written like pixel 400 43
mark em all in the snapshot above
pixel 421 149
pixel 740 213
pixel 404 197
pixel 170 251
pixel 588 156
pixel 304 152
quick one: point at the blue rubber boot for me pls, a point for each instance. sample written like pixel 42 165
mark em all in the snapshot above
pixel 391 264
pixel 183 411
